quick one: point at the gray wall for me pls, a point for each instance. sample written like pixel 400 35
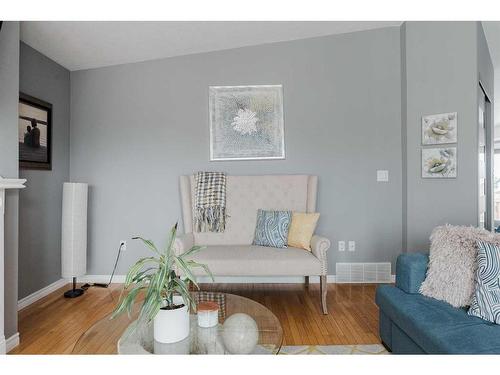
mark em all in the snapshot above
pixel 441 76
pixel 9 98
pixel 135 128
pixel 404 143
pixel 40 203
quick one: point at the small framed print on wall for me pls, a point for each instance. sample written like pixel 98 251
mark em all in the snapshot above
pixel 439 129
pixel 34 133
pixel 439 162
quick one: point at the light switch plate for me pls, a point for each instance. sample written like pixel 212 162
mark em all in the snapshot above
pixel 382 176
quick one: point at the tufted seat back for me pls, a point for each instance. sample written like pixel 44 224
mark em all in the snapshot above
pixel 244 196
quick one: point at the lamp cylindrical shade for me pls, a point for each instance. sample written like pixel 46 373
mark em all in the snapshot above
pixel 74 230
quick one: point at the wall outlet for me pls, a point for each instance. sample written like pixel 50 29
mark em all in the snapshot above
pixel 123 245
pixel 352 245
pixel 341 245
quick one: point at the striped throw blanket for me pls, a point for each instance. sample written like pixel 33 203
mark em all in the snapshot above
pixel 210 202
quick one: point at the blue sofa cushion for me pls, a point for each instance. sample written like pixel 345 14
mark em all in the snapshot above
pixel 411 269
pixel 436 326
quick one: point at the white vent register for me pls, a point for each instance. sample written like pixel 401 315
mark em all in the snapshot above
pixel 363 273
pixel 5 183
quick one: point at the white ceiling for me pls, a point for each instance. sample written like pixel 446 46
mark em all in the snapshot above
pixel 80 45
pixel 84 45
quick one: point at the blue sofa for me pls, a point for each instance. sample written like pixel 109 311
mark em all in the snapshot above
pixel 411 323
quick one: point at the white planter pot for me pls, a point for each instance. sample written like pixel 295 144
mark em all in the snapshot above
pixel 172 325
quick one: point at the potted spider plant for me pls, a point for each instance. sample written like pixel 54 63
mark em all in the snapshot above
pixel 167 299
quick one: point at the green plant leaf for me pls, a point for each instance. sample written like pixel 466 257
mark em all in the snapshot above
pixel 148 243
pixel 186 271
pixel 191 251
pixel 143 275
pixel 127 301
pixel 192 263
pixel 182 289
pixel 134 270
pixel 171 239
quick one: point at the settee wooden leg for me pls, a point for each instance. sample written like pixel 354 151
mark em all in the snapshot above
pixel 306 281
pixel 324 289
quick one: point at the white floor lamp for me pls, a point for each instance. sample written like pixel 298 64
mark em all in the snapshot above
pixel 74 234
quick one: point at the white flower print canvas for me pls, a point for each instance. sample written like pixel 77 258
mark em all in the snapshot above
pixel 246 122
pixel 439 162
pixel 439 129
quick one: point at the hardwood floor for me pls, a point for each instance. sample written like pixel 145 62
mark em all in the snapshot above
pixel 54 324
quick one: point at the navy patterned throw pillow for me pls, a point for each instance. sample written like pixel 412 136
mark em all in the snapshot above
pixel 272 228
pixel 486 300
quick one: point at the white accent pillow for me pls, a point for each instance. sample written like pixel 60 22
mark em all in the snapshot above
pixel 452 263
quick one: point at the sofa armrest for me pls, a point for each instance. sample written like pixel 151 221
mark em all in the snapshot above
pixel 411 269
pixel 319 248
pixel 182 243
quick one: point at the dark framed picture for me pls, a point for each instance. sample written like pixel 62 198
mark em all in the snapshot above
pixel 35 133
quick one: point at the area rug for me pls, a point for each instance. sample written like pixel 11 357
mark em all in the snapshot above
pixel 334 349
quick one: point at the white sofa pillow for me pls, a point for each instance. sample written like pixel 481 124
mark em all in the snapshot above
pixel 452 263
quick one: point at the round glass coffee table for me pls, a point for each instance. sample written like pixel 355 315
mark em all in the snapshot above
pixel 119 336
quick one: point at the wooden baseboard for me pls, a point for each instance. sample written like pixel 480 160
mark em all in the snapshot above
pixel 33 297
pixel 101 279
pixel 12 342
pixel 2 345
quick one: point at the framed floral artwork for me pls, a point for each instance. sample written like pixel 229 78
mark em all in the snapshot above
pixel 439 162
pixel 439 129
pixel 246 122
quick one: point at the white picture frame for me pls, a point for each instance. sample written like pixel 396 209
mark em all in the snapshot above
pixel 441 128
pixel 439 162
pixel 246 122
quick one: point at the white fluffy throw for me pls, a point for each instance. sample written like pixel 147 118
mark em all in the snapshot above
pixel 452 263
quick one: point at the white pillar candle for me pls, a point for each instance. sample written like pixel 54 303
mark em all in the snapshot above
pixel 208 314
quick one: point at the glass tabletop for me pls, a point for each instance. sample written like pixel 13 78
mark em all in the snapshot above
pixel 125 335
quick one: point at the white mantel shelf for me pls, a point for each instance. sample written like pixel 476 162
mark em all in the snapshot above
pixel 5 184
pixel 12 183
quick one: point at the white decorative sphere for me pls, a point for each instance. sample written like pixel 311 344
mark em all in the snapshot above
pixel 240 334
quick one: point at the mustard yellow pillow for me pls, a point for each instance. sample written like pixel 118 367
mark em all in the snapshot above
pixel 301 230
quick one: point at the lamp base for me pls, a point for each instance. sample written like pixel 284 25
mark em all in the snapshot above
pixel 73 293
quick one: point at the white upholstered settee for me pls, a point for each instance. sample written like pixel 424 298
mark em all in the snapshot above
pixel 231 253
